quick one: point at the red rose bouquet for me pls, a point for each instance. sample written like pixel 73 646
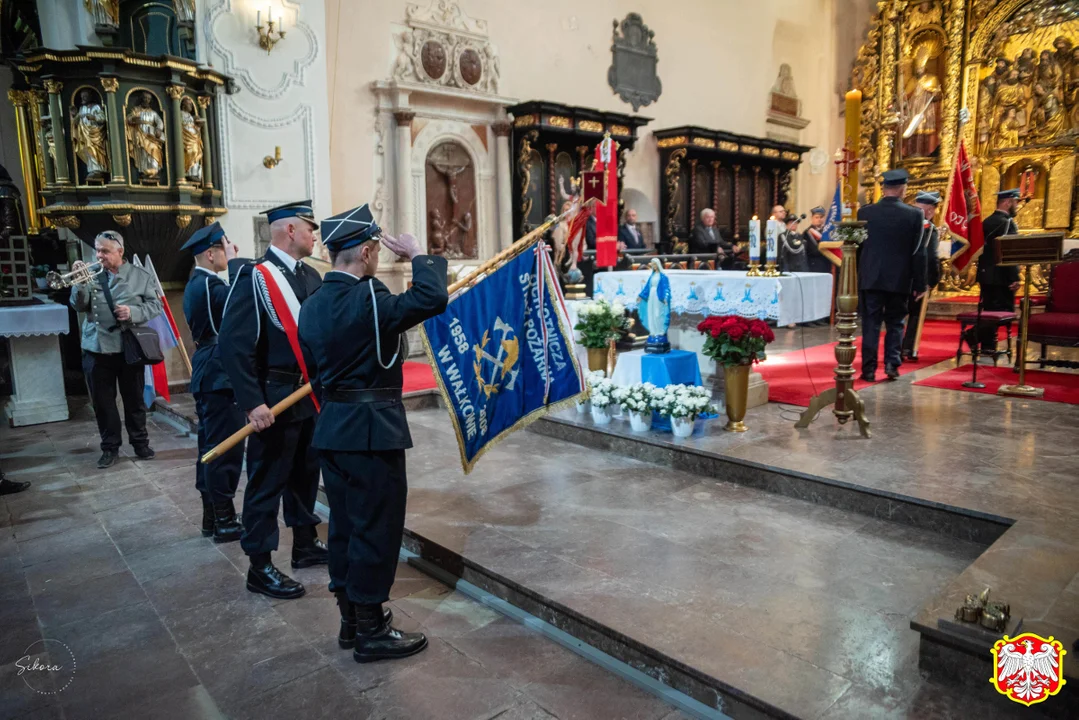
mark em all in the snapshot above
pixel 733 340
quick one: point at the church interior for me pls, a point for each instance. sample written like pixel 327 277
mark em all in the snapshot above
pixel 754 391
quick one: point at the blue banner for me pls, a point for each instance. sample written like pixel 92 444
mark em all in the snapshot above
pixel 503 353
pixel 835 214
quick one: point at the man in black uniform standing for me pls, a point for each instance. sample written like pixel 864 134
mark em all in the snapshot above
pixel 219 417
pixel 888 273
pixel 350 333
pixel 998 284
pixel 260 352
pixel 927 202
pixel 813 235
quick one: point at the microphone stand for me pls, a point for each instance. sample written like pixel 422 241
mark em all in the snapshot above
pixel 976 345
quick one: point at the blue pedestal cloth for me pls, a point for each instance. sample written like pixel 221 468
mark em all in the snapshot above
pixel 678 367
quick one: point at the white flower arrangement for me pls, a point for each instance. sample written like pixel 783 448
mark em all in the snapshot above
pixel 601 390
pixel 599 322
pixel 635 398
pixel 682 401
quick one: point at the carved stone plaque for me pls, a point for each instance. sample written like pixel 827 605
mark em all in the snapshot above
pixel 632 75
pixel 433 57
pixel 471 66
pixel 451 202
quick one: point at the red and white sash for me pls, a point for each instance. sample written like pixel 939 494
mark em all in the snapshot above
pixel 284 310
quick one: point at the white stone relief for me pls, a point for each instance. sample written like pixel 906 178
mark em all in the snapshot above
pixel 443 46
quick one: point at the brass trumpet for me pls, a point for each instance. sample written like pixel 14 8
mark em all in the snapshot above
pixel 80 274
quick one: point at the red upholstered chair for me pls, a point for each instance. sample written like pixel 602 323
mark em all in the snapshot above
pixel 1059 324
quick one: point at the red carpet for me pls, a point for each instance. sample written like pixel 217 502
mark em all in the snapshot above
pixel 418 376
pixel 788 374
pixel 1059 386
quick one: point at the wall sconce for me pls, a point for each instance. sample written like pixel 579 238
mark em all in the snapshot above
pixel 271 33
pixel 272 161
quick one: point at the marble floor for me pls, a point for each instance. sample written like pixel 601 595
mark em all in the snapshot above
pixel 805 607
pixel 112 565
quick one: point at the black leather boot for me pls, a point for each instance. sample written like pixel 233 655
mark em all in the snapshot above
pixel 226 527
pixel 207 516
pixel 267 580
pixel 347 637
pixel 376 639
pixel 307 549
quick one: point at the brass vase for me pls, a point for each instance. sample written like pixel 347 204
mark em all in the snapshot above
pixel 597 359
pixel 735 394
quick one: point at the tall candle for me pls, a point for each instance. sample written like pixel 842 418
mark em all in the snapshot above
pixel 853 143
pixel 258 18
pixel 773 240
pixel 755 240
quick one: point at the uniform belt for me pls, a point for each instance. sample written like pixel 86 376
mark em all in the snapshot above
pixel 283 377
pixel 206 343
pixel 357 397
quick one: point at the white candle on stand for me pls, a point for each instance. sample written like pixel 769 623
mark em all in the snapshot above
pixel 755 240
pixel 773 240
pixel 258 18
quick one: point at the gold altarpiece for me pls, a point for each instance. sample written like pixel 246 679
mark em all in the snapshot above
pixel 1013 65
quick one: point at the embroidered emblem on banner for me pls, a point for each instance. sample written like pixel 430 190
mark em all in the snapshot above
pixel 1028 668
pixel 502 364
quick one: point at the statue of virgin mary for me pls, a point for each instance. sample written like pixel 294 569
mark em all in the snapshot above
pixel 654 309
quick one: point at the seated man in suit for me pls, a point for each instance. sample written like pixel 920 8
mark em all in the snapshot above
pixel 706 239
pixel 629 234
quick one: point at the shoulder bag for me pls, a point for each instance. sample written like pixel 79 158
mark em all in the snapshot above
pixel 142 346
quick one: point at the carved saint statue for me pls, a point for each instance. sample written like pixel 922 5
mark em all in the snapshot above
pixel 146 139
pixel 436 245
pixel 185 10
pixel 654 309
pixel 104 12
pixel 1072 88
pixel 1010 104
pixel 493 70
pixel 922 106
pixel 88 135
pixel 191 124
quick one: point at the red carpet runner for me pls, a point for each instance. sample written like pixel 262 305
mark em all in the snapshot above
pixel 1059 386
pixel 788 374
pixel 418 376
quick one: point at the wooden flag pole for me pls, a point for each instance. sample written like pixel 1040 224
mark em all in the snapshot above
pixel 472 278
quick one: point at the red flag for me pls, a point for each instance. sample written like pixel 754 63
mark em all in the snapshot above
pixel 593 186
pixel 964 213
pixel 606 160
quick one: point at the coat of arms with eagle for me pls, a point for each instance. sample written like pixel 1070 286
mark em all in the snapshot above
pixel 1028 668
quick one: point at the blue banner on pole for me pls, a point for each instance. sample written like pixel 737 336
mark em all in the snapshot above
pixel 503 353
pixel 835 214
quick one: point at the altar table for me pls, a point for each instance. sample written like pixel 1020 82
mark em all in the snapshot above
pixel 792 298
pixel 37 369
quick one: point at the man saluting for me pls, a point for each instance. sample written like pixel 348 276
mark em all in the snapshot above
pixel 261 354
pixel 350 333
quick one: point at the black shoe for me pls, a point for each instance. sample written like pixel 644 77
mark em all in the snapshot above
pixel 264 578
pixel 207 516
pixel 868 377
pixel 346 639
pixel 310 554
pixel 226 527
pixel 145 452
pixel 376 639
pixel 107 459
pixel 10 487
pixel 892 373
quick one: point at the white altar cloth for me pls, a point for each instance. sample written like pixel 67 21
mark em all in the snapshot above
pixel 794 298
pixel 37 369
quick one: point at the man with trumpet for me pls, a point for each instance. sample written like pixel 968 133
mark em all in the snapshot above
pixel 113 293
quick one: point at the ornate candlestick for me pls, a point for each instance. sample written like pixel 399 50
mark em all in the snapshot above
pixel 754 247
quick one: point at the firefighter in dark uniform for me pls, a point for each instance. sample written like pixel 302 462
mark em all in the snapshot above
pixel 927 202
pixel 998 284
pixel 813 235
pixel 889 273
pixel 219 417
pixel 282 467
pixel 350 333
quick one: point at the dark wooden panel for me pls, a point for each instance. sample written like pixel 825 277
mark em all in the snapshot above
pixel 725 194
pixel 451 202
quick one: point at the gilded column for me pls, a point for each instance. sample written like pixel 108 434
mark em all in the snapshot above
pixel 41 113
pixel 552 183
pixel 53 87
pixel 888 83
pixel 715 185
pixel 21 99
pixel 207 152
pixel 404 120
pixel 757 190
pixel 692 192
pixel 505 184
pixel 176 132
pixel 775 188
pixel 953 88
pixel 117 156
pixel 737 214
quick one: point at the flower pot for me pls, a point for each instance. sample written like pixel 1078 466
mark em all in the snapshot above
pixel 600 416
pixel 41 284
pixel 735 392
pixel 582 407
pixel 682 427
pixel 640 421
pixel 597 359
